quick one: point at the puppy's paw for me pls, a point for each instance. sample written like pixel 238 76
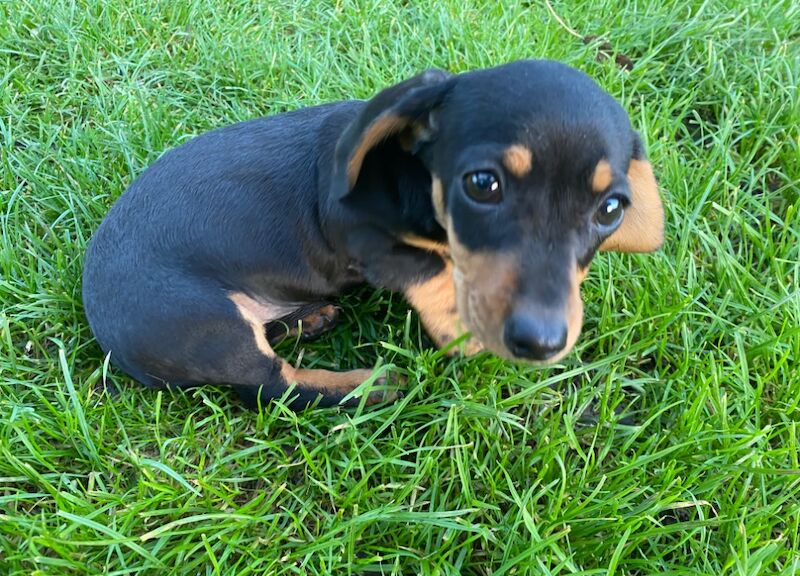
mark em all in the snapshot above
pixel 319 322
pixel 390 386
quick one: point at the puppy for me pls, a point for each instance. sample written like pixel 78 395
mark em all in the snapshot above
pixel 482 197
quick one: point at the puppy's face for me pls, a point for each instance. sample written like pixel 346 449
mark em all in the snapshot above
pixel 533 169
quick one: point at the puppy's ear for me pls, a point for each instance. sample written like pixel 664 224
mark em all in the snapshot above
pixel 405 111
pixel 642 228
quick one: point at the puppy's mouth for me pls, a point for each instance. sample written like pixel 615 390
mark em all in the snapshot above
pixel 506 323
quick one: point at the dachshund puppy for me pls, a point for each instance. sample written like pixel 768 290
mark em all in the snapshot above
pixel 482 197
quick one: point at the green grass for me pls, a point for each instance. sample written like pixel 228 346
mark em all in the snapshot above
pixel 668 443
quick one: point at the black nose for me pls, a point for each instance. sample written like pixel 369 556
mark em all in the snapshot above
pixel 534 338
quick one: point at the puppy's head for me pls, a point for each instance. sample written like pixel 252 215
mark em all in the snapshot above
pixel 533 168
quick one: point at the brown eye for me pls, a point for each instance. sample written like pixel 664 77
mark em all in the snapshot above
pixel 610 212
pixel 483 186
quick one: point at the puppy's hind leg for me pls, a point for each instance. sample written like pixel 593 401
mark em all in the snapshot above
pixel 220 338
pixel 330 388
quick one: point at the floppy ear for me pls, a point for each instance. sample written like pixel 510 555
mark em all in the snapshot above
pixel 642 228
pixel 404 111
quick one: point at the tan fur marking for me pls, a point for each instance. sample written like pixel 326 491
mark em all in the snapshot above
pixel 256 314
pixel 484 285
pixel 581 274
pixel 378 131
pixel 435 301
pixel 574 314
pixel 437 195
pixel 425 243
pixel 518 159
pixel 336 383
pixel 602 177
pixel 642 228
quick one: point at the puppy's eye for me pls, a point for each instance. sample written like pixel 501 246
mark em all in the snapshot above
pixel 610 212
pixel 483 186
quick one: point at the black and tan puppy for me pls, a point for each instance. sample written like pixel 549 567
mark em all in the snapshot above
pixel 481 196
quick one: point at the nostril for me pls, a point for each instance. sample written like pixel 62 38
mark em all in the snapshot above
pixel 534 338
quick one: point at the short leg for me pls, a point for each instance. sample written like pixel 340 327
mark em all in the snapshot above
pixel 325 386
pixel 223 341
pixel 435 301
pixel 309 322
pixel 330 388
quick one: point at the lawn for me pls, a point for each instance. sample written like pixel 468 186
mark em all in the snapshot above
pixel 667 443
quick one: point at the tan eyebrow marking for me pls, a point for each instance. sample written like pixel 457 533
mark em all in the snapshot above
pixel 518 159
pixel 602 177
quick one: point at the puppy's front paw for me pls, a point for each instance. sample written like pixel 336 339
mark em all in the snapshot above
pixel 391 389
